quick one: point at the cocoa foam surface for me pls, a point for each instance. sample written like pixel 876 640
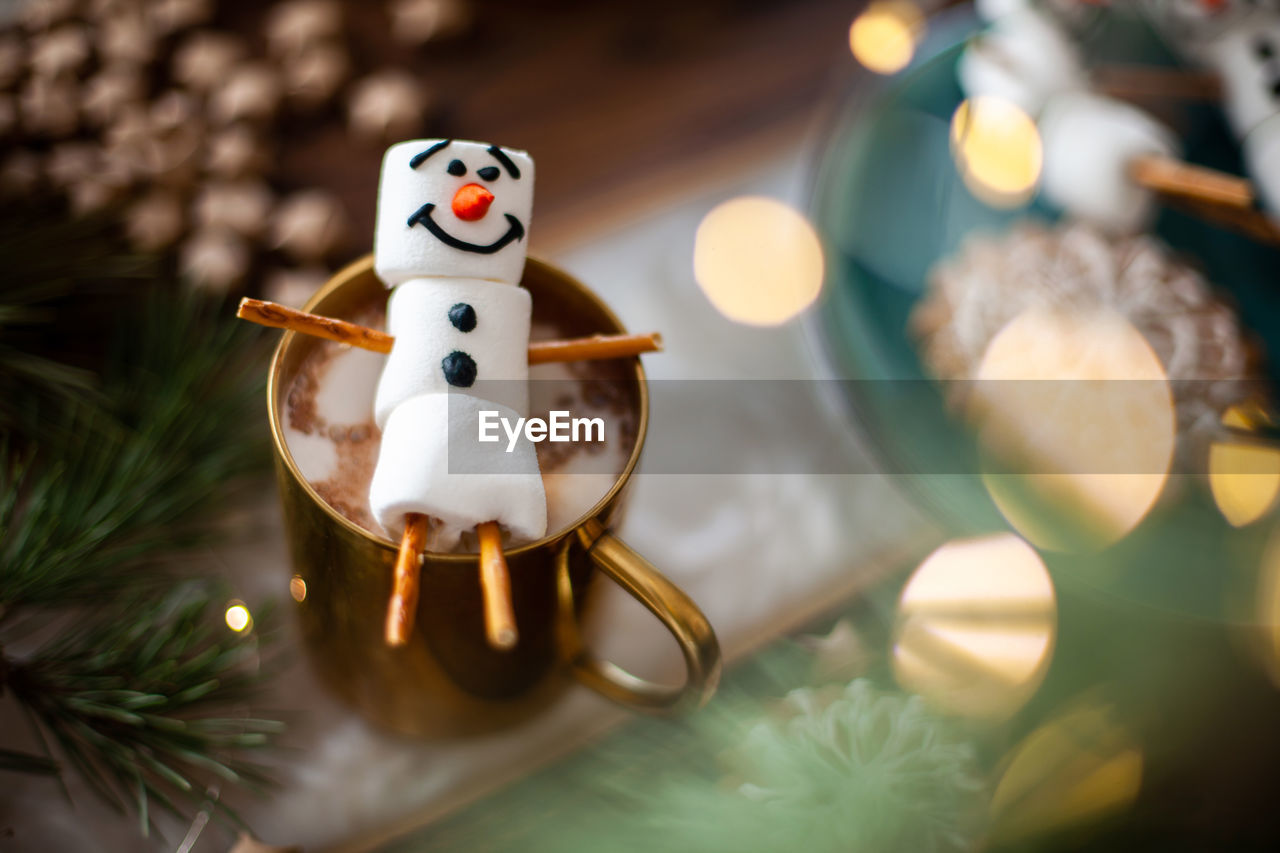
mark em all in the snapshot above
pixel 329 428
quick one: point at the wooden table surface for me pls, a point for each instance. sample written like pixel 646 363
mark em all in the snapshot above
pixel 621 103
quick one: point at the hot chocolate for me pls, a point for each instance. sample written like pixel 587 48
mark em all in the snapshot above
pixel 330 430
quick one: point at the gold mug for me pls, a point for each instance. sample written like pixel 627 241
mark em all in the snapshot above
pixel 447 680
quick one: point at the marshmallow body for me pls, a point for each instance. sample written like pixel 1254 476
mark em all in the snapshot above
pixel 432 463
pixel 1089 141
pixel 1262 158
pixel 427 222
pixel 1023 57
pixel 451 333
pixel 1247 59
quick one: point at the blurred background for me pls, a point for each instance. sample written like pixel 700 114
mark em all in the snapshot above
pixel 962 436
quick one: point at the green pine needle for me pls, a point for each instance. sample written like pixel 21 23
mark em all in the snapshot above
pixel 114 489
pixel 140 732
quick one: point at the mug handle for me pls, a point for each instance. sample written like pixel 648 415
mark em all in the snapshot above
pixel 663 599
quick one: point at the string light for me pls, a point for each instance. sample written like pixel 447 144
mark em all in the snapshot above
pixel 238 617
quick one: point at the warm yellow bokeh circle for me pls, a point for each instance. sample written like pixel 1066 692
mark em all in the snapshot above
pixel 758 260
pixel 997 150
pixel 884 37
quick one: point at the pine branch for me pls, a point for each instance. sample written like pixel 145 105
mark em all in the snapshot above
pixel 146 707
pixel 115 489
pixel 57 274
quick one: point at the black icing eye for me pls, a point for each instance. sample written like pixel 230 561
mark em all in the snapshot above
pixel 489 173
pixel 456 168
pixel 1262 49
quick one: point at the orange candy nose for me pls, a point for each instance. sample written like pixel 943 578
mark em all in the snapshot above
pixel 472 202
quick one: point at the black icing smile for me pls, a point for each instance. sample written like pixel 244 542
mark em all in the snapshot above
pixel 422 216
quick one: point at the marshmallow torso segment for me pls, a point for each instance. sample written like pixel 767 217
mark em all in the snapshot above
pixel 1262 157
pixel 432 463
pixel 1246 58
pixel 419 234
pixel 452 333
pixel 1089 141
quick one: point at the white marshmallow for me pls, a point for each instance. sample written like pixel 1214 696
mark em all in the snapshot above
pixel 1247 59
pixel 1262 158
pixel 1023 57
pixel 438 242
pixel 1089 141
pixel 431 462
pixel 418 315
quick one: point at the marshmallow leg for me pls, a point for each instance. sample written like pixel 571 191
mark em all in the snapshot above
pixel 432 463
pixel 1089 141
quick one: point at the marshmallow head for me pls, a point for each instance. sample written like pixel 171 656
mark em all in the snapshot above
pixel 450 208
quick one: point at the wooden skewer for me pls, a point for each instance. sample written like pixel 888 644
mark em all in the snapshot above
pixel 495 587
pixel 575 349
pixel 404 586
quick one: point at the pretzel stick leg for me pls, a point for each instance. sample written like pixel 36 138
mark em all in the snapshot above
pixel 404 588
pixel 495 586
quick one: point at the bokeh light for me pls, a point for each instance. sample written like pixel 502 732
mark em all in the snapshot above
pixel 1077 425
pixel 758 261
pixel 997 150
pixel 884 37
pixel 1078 767
pixel 976 626
pixel 1243 478
pixel 238 617
pixel 298 588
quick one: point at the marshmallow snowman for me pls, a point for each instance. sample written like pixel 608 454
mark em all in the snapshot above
pixel 1027 58
pixel 1090 140
pixel 452 223
pixel 1241 44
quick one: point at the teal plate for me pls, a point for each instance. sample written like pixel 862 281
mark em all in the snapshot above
pixel 889 204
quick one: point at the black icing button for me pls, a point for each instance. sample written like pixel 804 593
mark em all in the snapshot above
pixel 459 369
pixel 463 317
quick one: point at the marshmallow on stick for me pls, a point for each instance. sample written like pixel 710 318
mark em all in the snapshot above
pixel 1105 161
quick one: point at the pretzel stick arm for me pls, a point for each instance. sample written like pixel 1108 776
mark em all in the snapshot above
pixel 282 317
pixel 1175 178
pixel 278 316
pixel 594 348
